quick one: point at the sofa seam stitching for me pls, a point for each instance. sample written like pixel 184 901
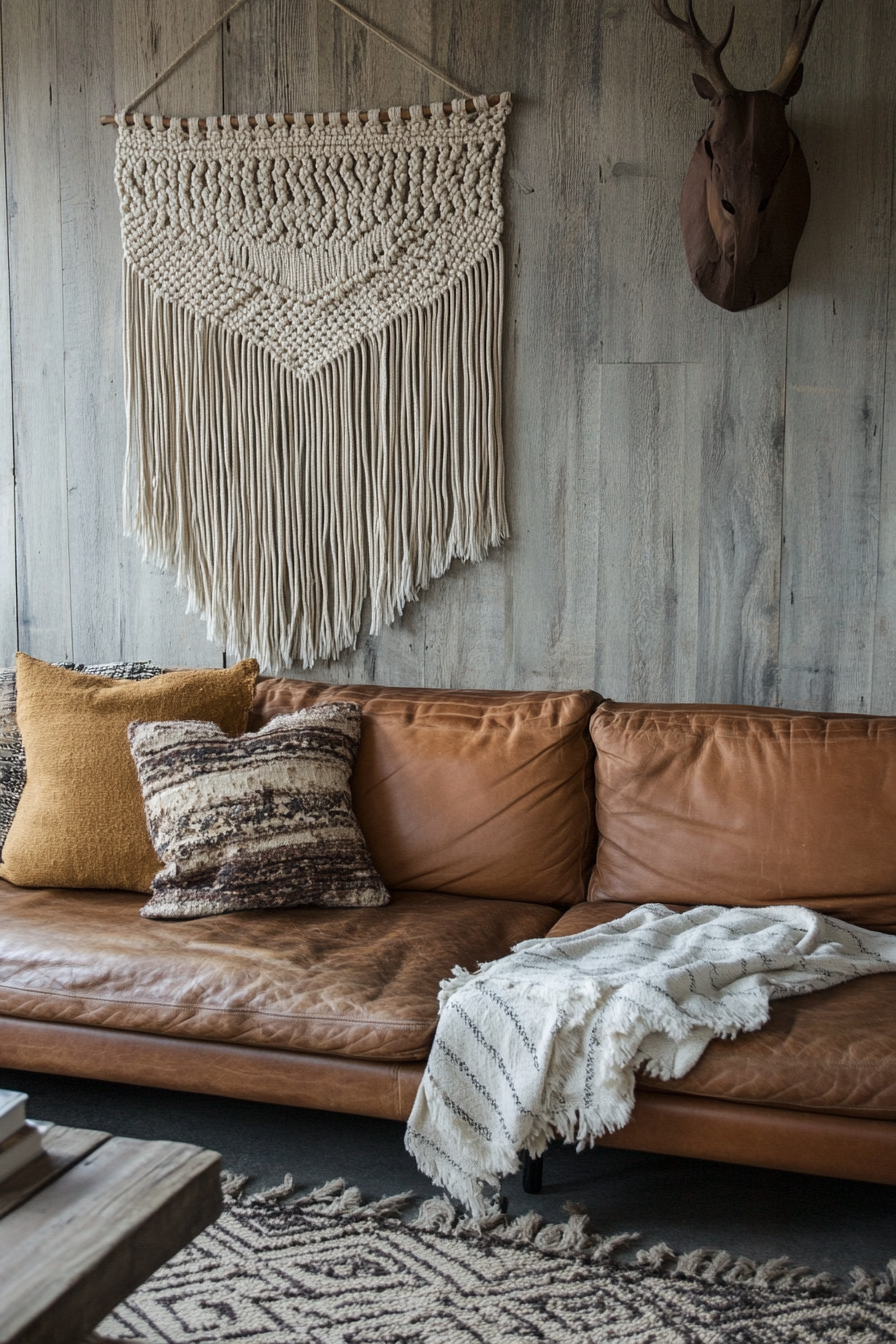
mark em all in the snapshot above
pixel 202 1008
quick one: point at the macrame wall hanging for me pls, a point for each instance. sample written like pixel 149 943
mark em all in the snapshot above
pixel 312 314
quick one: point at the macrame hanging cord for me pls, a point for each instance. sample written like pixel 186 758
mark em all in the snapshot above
pixel 312 313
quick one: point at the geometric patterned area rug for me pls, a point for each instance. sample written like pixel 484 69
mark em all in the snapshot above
pixel 329 1269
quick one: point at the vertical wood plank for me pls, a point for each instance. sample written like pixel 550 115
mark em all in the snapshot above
pixel 468 614
pixel 91 316
pixel 31 108
pixel 153 619
pixel 648 543
pixel 270 57
pixel 740 420
pixel 883 684
pixel 8 600
pixel 552 367
pixel 836 364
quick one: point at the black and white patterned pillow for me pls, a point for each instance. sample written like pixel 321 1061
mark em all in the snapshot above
pixel 258 821
pixel 12 753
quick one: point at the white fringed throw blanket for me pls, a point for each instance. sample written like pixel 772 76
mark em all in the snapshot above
pixel 312 344
pixel 548 1039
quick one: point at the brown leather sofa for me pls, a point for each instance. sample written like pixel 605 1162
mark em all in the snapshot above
pixel 479 809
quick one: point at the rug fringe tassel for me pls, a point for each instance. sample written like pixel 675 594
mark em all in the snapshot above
pixel 879 1288
pixel 334 1198
pixel 573 1239
pixel 276 1194
pixel 282 502
pixel 232 1186
pixel 719 1267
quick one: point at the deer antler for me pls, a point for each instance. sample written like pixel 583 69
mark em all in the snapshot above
pixel 806 15
pixel 710 53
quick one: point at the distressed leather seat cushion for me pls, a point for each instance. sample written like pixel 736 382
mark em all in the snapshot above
pixel 360 983
pixel 834 1051
pixel 479 793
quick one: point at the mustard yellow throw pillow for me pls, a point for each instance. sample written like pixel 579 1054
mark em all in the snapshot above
pixel 80 821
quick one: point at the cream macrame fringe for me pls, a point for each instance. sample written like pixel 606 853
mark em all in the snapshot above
pixel 284 502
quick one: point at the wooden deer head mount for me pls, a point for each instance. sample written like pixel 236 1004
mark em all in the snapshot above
pixel 746 195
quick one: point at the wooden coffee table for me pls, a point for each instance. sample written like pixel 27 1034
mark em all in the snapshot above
pixel 86 1223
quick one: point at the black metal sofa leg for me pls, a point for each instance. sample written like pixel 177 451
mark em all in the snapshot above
pixel 532 1174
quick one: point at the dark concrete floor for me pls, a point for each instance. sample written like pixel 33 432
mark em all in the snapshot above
pixel 825 1224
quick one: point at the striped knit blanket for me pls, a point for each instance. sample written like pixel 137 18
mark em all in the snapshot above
pixel 547 1041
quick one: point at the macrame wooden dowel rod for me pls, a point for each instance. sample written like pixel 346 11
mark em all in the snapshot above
pixel 109 120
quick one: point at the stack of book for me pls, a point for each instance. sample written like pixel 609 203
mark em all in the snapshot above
pixel 20 1140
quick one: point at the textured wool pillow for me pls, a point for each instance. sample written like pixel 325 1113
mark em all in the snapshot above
pixel 80 821
pixel 12 752
pixel 258 821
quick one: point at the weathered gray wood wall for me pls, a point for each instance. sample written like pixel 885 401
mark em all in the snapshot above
pixel 703 504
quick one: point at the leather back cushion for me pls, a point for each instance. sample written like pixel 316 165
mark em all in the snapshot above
pixel 477 793
pixel 732 805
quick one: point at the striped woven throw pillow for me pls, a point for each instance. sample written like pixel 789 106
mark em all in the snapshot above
pixel 257 821
pixel 12 753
